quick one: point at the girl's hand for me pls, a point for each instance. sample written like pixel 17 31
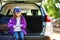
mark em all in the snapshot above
pixel 20 25
pixel 14 26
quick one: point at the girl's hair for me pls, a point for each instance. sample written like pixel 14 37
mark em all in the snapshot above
pixel 14 16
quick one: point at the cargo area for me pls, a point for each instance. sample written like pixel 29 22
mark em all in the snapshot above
pixel 34 24
pixel 32 16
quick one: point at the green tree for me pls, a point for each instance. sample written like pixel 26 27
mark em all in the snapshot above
pixel 51 8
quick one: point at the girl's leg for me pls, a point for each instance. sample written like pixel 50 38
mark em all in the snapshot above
pixel 16 35
pixel 21 35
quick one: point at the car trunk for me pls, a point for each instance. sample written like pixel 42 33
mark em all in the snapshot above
pixel 34 22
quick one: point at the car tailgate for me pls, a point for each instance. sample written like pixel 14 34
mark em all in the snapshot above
pixel 32 1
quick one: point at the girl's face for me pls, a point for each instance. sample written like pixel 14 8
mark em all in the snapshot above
pixel 18 14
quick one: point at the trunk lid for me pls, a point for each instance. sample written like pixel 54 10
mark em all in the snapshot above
pixel 31 1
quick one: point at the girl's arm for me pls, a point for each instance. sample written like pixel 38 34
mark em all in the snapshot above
pixel 10 23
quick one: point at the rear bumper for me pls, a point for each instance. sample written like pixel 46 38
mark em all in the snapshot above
pixel 37 38
pixel 4 37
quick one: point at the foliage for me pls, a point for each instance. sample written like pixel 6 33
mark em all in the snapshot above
pixel 51 8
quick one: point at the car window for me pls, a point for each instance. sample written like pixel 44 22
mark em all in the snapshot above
pixel 28 9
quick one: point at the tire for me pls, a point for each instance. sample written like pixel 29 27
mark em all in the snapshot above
pixel 46 38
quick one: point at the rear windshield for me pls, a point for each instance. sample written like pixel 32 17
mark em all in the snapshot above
pixel 27 9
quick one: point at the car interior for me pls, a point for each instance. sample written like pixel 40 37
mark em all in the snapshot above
pixel 31 13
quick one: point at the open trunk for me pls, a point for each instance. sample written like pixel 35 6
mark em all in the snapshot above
pixel 32 15
pixel 34 23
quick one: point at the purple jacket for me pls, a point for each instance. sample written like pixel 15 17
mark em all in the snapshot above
pixel 13 22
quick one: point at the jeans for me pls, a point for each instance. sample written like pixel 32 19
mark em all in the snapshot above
pixel 19 35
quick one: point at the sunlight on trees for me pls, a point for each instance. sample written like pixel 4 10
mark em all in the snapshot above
pixel 53 8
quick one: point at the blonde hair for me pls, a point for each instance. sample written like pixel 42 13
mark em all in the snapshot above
pixel 14 16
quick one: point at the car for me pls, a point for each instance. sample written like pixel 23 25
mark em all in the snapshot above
pixel 39 26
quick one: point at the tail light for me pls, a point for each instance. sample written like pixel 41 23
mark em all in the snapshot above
pixel 49 27
pixel 48 18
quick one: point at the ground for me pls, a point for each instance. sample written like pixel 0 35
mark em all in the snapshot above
pixel 56 34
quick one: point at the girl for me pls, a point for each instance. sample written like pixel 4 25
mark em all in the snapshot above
pixel 17 24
